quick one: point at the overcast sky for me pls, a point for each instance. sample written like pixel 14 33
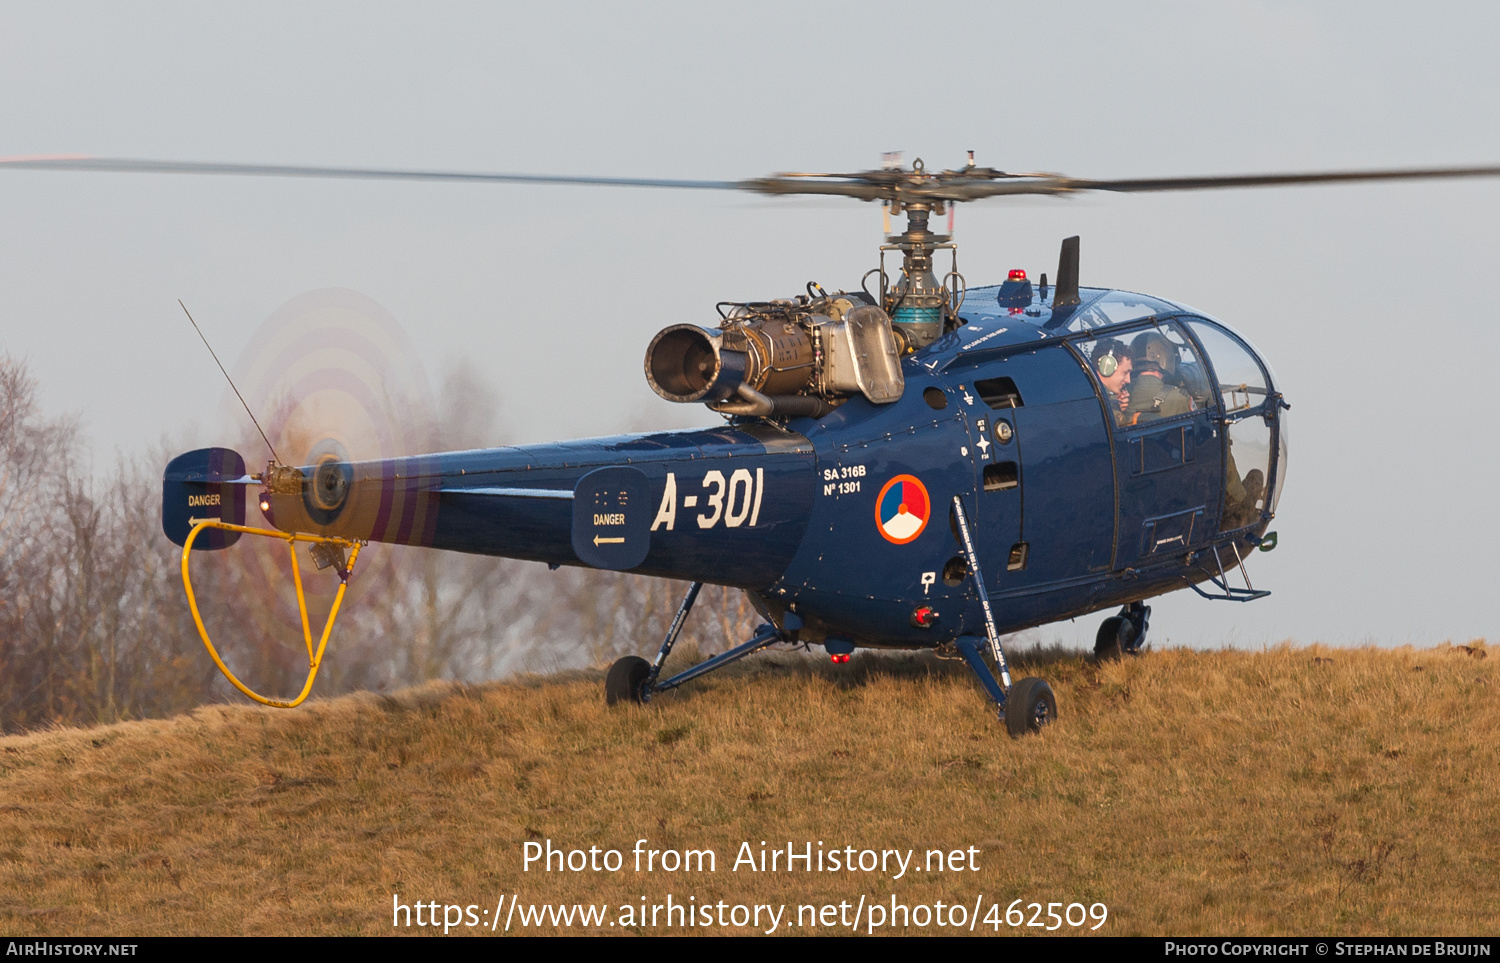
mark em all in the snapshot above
pixel 1371 302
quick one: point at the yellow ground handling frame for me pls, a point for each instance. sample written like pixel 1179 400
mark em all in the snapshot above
pixel 315 659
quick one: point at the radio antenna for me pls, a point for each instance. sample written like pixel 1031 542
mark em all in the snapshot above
pixel 231 382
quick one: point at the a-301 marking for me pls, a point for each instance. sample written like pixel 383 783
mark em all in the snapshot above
pixel 735 500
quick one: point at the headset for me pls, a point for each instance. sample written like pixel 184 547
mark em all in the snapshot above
pixel 1107 364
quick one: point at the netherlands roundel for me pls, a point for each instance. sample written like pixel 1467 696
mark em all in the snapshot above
pixel 902 509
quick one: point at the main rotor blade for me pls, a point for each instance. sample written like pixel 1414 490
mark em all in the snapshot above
pixel 891 185
pixel 119 165
pixel 1064 185
pixel 973 185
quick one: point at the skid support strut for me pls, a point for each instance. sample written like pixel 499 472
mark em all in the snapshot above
pixel 765 635
pixel 1138 614
pixel 671 639
pixel 968 645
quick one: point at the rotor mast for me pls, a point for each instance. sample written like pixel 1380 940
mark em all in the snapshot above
pixel 919 304
pixel 922 304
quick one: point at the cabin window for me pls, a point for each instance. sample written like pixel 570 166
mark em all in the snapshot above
pixel 999 393
pixel 1001 475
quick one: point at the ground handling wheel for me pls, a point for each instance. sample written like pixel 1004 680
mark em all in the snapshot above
pixel 1029 705
pixel 626 679
pixel 1116 638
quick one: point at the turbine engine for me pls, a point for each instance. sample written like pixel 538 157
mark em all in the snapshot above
pixel 798 357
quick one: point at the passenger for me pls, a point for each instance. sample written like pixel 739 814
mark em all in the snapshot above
pixel 1112 363
pixel 1243 498
pixel 1151 396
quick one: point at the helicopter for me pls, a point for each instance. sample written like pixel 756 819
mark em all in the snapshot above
pixel 909 463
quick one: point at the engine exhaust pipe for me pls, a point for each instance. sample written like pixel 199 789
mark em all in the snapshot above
pixel 687 363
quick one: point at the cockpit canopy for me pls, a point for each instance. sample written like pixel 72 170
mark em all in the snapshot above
pixel 1179 360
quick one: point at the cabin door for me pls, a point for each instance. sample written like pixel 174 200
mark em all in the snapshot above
pixel 1044 478
pixel 1167 443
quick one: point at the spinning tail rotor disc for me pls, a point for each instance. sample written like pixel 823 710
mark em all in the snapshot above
pixel 333 379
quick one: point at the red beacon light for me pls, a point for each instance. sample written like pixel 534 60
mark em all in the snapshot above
pixel 1015 293
pixel 839 658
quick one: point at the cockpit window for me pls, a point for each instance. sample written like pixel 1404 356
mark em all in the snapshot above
pixel 1148 375
pixel 1244 391
pixel 1109 361
pixel 1116 307
pixel 1242 383
pixel 1163 353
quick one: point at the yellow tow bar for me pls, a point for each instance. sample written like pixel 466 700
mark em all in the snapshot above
pixel 315 659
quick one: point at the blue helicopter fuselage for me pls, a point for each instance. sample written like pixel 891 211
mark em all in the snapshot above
pixel 846 519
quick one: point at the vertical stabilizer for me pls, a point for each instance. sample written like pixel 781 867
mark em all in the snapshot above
pixel 207 483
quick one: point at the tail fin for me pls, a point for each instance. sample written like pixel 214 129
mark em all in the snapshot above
pixel 207 483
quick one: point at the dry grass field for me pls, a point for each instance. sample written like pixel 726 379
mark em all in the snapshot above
pixel 1291 791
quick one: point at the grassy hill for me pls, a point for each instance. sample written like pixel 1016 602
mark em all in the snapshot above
pixel 1295 790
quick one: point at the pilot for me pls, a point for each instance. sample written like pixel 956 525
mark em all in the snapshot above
pixel 1152 396
pixel 1165 387
pixel 1112 363
pixel 1157 347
